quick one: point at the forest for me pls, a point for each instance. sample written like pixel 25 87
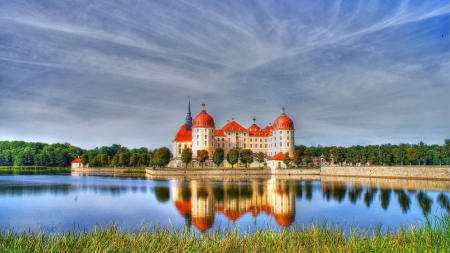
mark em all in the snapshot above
pixel 20 153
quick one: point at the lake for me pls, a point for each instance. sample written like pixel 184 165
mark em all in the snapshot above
pixel 60 202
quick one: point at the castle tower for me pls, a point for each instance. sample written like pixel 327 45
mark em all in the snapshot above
pixel 203 132
pixel 282 138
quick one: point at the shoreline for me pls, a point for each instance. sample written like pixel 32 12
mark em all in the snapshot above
pixel 391 172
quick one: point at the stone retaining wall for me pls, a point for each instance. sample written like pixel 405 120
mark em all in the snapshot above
pixel 431 172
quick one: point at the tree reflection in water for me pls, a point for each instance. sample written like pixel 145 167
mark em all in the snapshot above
pixel 354 193
pixel 369 195
pixel 403 200
pixel 425 202
pixel 162 193
pixel 385 197
pixel 444 202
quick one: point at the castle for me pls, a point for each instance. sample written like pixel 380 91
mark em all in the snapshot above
pixel 201 133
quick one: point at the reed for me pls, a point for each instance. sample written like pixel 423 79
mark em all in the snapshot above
pixel 433 235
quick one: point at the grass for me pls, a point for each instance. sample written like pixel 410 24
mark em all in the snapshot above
pixel 432 236
pixel 32 169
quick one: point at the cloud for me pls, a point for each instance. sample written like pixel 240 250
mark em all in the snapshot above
pixel 97 73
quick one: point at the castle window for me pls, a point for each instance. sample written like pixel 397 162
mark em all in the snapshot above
pixel 206 143
pixel 275 144
pixel 288 132
pixel 245 145
pixel 280 131
pixel 288 137
pixel 223 145
pixel 281 144
pixel 206 136
pixel 288 144
pixel 251 145
pixel 222 139
pixel 197 136
pixel 250 139
pixel 266 145
pixel 218 145
pixel 245 139
pixel 281 138
pixel 197 129
pixel 260 145
pixel 198 143
pixel 274 138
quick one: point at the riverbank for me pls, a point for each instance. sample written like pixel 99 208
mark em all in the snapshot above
pixel 405 172
pixel 429 236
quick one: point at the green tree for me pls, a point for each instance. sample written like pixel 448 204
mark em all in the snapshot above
pixel 297 157
pixel 338 154
pixel 134 159
pixel 202 156
pixel 162 156
pixel 84 159
pixel 233 156
pixel 286 159
pixel 402 154
pixel 218 156
pixel 308 155
pixel 411 155
pixel 115 160
pixel 186 156
pixel 439 154
pixel 260 158
pixel 144 159
pixel 123 159
pixel 384 154
pixel 422 153
pixel 246 156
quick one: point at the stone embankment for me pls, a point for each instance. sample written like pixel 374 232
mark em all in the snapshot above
pixel 430 172
pixel 405 172
pixel 227 174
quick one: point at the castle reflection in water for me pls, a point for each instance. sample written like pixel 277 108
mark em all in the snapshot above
pixel 199 202
pixel 202 201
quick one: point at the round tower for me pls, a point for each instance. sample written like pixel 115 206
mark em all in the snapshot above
pixel 203 132
pixel 282 138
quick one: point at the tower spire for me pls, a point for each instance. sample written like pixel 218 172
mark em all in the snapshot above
pixel 282 110
pixel 188 122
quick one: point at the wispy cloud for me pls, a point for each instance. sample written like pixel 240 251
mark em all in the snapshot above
pixel 349 72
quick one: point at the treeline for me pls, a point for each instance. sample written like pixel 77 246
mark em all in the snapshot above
pixel 20 153
pixel 385 154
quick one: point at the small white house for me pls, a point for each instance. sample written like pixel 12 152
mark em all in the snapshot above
pixel 76 163
pixel 276 161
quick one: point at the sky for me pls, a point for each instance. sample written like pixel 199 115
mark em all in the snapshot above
pixel 97 73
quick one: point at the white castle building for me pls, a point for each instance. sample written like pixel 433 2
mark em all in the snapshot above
pixel 201 133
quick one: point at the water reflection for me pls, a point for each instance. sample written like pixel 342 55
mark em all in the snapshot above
pixel 199 202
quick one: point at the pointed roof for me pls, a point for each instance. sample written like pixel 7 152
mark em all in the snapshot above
pixel 278 157
pixel 219 132
pixel 183 134
pixel 233 126
pixel 76 160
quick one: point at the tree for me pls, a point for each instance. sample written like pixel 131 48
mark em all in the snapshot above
pixel 246 156
pixel 162 156
pixel 84 159
pixel 123 159
pixel 260 158
pixel 144 159
pixel 308 155
pixel 115 160
pixel 134 159
pixel 439 154
pixel 402 154
pixel 297 157
pixel 411 155
pixel 286 159
pixel 233 156
pixel 202 156
pixel 384 154
pixel 218 156
pixel 186 156
pixel 422 153
pixel 338 154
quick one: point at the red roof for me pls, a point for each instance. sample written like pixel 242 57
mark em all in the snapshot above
pixel 233 126
pixel 283 123
pixel 284 219
pixel 219 132
pixel 77 160
pixel 254 128
pixel 203 223
pixel 203 120
pixel 183 207
pixel 279 157
pixel 183 134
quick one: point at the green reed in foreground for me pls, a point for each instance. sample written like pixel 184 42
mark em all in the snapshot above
pixel 432 236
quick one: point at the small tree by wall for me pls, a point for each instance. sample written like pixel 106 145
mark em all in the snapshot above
pixel 286 159
pixel 202 156
pixel 186 156
pixel 297 157
pixel 260 158
pixel 233 157
pixel 246 156
pixel 218 156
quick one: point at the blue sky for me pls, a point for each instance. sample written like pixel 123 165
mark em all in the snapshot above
pixel 95 73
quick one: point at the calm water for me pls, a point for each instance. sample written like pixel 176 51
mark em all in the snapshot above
pixel 61 202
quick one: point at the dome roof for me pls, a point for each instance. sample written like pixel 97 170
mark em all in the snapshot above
pixel 284 219
pixel 254 128
pixel 203 119
pixel 283 122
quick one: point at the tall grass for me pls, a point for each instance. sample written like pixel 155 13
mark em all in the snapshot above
pixel 432 236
